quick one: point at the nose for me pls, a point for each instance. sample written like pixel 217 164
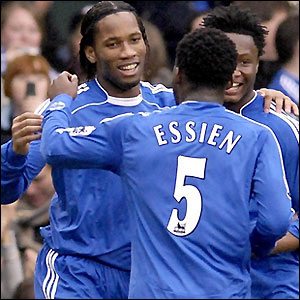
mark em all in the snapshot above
pixel 127 51
pixel 237 72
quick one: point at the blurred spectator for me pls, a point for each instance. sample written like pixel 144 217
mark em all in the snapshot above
pixel 21 32
pixel 271 13
pixel 287 45
pixel 157 69
pixel 11 265
pixel 25 289
pixel 68 53
pixel 32 211
pixel 26 83
pixel 20 236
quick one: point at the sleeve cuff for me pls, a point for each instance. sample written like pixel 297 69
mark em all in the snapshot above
pixel 14 159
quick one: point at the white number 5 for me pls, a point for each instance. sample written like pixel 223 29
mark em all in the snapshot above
pixel 193 167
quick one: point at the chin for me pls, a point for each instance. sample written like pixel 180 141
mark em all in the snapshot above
pixel 231 100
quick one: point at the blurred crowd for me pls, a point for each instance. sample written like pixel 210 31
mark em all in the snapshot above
pixel 34 51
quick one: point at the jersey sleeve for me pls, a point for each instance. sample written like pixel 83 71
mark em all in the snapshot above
pixel 78 147
pixel 271 194
pixel 17 171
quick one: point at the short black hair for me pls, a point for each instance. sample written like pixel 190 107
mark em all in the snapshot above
pixel 286 39
pixel 91 18
pixel 207 57
pixel 234 19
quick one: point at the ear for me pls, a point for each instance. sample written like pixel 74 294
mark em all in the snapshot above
pixel 90 54
pixel 176 75
pixel 257 66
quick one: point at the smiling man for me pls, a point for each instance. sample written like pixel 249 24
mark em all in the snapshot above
pixel 276 276
pixel 86 251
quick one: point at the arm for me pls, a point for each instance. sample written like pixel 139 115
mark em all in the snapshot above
pixel 270 192
pixel 20 163
pixel 80 147
pixel 282 101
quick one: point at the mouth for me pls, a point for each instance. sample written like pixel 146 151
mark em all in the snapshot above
pixel 129 69
pixel 234 88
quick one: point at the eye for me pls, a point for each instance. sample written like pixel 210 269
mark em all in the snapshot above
pixel 112 45
pixel 136 39
pixel 246 62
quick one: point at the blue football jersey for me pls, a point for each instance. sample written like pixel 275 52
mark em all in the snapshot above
pixel 190 174
pixel 287 83
pixel 280 272
pixel 88 216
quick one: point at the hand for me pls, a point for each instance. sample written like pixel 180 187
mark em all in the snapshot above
pixel 23 130
pixel 282 101
pixel 65 83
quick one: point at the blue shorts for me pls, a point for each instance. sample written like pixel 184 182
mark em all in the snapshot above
pixel 72 277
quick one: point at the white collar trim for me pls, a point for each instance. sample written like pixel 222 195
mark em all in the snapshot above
pixel 121 101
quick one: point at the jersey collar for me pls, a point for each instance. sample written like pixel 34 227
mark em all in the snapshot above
pixel 121 101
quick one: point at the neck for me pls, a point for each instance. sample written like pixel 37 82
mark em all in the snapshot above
pixel 236 106
pixel 205 95
pixel 114 91
pixel 292 67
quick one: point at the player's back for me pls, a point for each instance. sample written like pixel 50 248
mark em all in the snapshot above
pixel 189 195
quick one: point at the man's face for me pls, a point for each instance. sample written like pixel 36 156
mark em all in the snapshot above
pixel 245 73
pixel 119 51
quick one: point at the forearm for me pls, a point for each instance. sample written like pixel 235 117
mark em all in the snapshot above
pixel 17 171
pixel 12 169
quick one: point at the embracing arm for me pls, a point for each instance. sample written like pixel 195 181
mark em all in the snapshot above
pixel 21 160
pixel 281 100
pixel 80 147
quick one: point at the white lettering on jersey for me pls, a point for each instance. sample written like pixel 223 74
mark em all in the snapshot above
pixel 57 105
pixel 190 131
pixel 159 135
pixel 175 132
pixel 74 131
pixel 229 140
pixel 214 134
pixel 214 137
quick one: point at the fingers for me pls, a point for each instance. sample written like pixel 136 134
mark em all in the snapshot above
pixel 295 109
pixel 27 116
pixel 74 79
pixel 22 125
pixel 29 138
pixel 25 129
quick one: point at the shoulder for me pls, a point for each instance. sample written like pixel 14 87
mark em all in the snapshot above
pixel 158 93
pixel 88 94
pixel 284 126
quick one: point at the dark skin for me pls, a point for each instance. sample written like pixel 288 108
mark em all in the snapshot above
pixel 119 43
pixel 183 91
pixel 119 53
pixel 244 78
pixel 245 73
